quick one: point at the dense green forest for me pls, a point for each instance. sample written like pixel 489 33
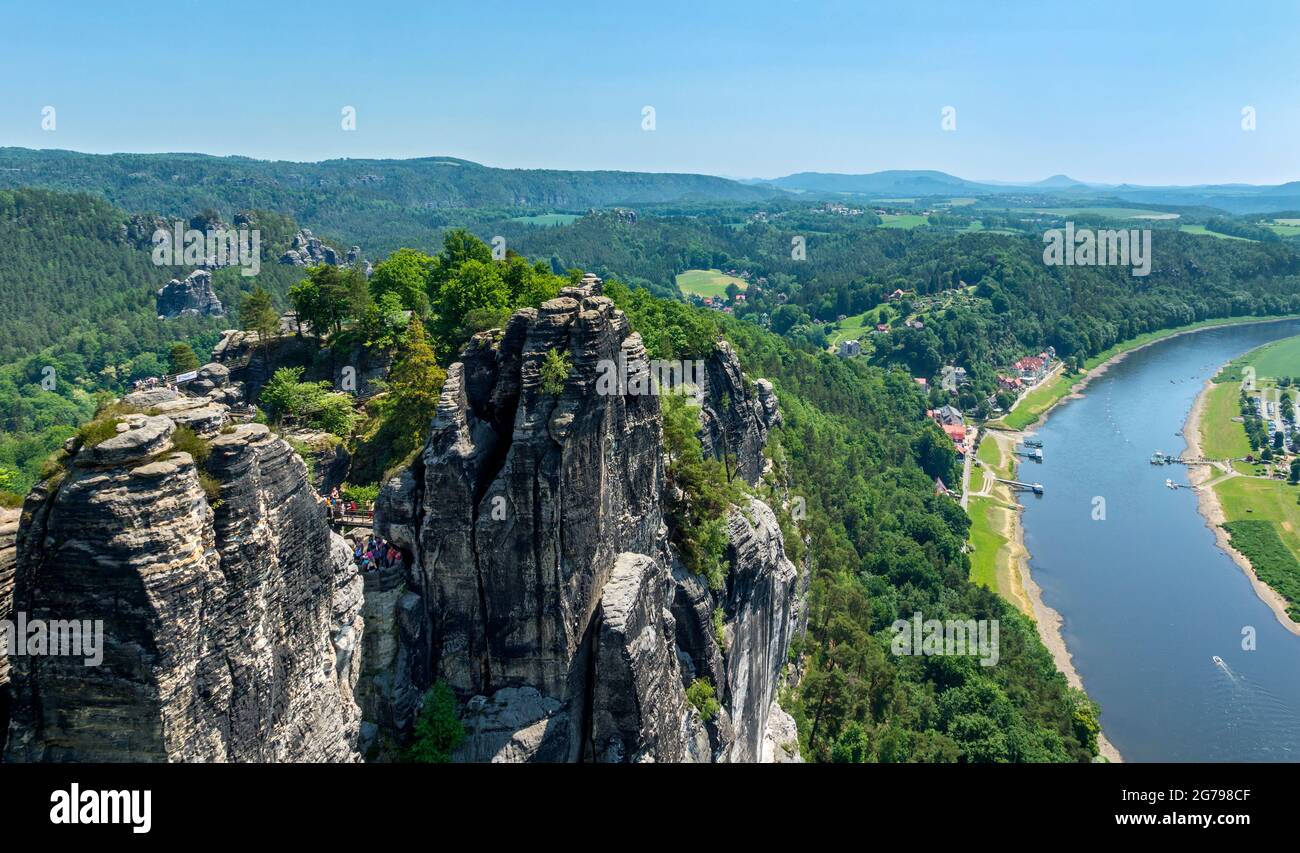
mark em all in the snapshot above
pixel 982 299
pixel 78 315
pixel 380 204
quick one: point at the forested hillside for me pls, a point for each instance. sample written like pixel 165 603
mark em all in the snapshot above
pixel 383 204
pixel 858 450
pixel 980 299
pixel 78 314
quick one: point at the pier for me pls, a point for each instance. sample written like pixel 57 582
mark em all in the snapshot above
pixel 1016 485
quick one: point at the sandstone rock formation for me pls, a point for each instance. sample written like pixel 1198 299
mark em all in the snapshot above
pixel 251 364
pixel 306 250
pixel 736 414
pixel 194 295
pixel 230 612
pixel 538 580
pixel 542 588
pixel 8 562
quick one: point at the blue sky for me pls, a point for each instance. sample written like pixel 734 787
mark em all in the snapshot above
pixel 1144 93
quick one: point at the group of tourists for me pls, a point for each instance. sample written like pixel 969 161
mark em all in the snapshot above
pixel 151 382
pixel 375 553
pixel 337 506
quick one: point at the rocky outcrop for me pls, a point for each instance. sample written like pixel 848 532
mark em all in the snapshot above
pixel 8 562
pixel 306 250
pixel 759 604
pixel 634 718
pixel 541 586
pixel 251 364
pixel 516 513
pixel 229 612
pixel 736 413
pixel 194 295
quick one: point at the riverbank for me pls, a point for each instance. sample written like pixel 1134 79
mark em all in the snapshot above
pixel 1001 561
pixel 1038 403
pixel 1211 509
pixel 1013 427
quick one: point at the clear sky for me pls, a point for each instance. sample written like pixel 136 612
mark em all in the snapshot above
pixel 1148 92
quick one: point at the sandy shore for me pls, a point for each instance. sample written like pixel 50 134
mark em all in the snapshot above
pixel 1025 594
pixel 1211 510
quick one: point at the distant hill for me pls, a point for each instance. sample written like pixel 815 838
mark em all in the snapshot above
pixel 896 183
pixel 373 202
pixel 892 182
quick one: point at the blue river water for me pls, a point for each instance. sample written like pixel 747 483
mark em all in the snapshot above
pixel 1146 596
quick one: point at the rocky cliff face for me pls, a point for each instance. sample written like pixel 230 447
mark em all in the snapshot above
pixel 193 295
pixel 539 580
pixel 251 365
pixel 8 562
pixel 542 588
pixel 736 414
pixel 230 619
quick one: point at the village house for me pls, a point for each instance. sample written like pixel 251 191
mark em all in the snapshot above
pixel 958 436
pixel 946 416
pixel 848 349
pixel 881 328
pixel 1010 383
pixel 1032 368
pixel 951 378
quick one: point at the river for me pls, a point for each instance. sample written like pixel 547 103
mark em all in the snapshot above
pixel 1146 596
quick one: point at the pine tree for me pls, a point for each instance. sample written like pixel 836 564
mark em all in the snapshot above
pixel 414 384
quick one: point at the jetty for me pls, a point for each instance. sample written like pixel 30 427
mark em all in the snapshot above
pixel 1016 485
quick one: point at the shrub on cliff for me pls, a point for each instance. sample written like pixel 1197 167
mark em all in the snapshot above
pixel 438 731
pixel 556 366
pixel 700 694
pixel 703 494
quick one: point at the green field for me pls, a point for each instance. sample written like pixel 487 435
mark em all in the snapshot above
pixel 859 326
pixel 547 219
pixel 707 282
pixel 1221 436
pixel 1284 227
pixel 1280 358
pixel 1264 520
pixel 902 220
pixel 1205 232
pixel 987 542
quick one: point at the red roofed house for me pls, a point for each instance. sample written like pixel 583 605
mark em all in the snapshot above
pixel 958 436
pixel 1031 368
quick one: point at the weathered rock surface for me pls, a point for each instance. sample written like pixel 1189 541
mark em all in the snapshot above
pixel 230 625
pixel 193 295
pixel 251 364
pixel 640 712
pixel 8 561
pixel 306 250
pixel 736 414
pixel 760 609
pixel 542 588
